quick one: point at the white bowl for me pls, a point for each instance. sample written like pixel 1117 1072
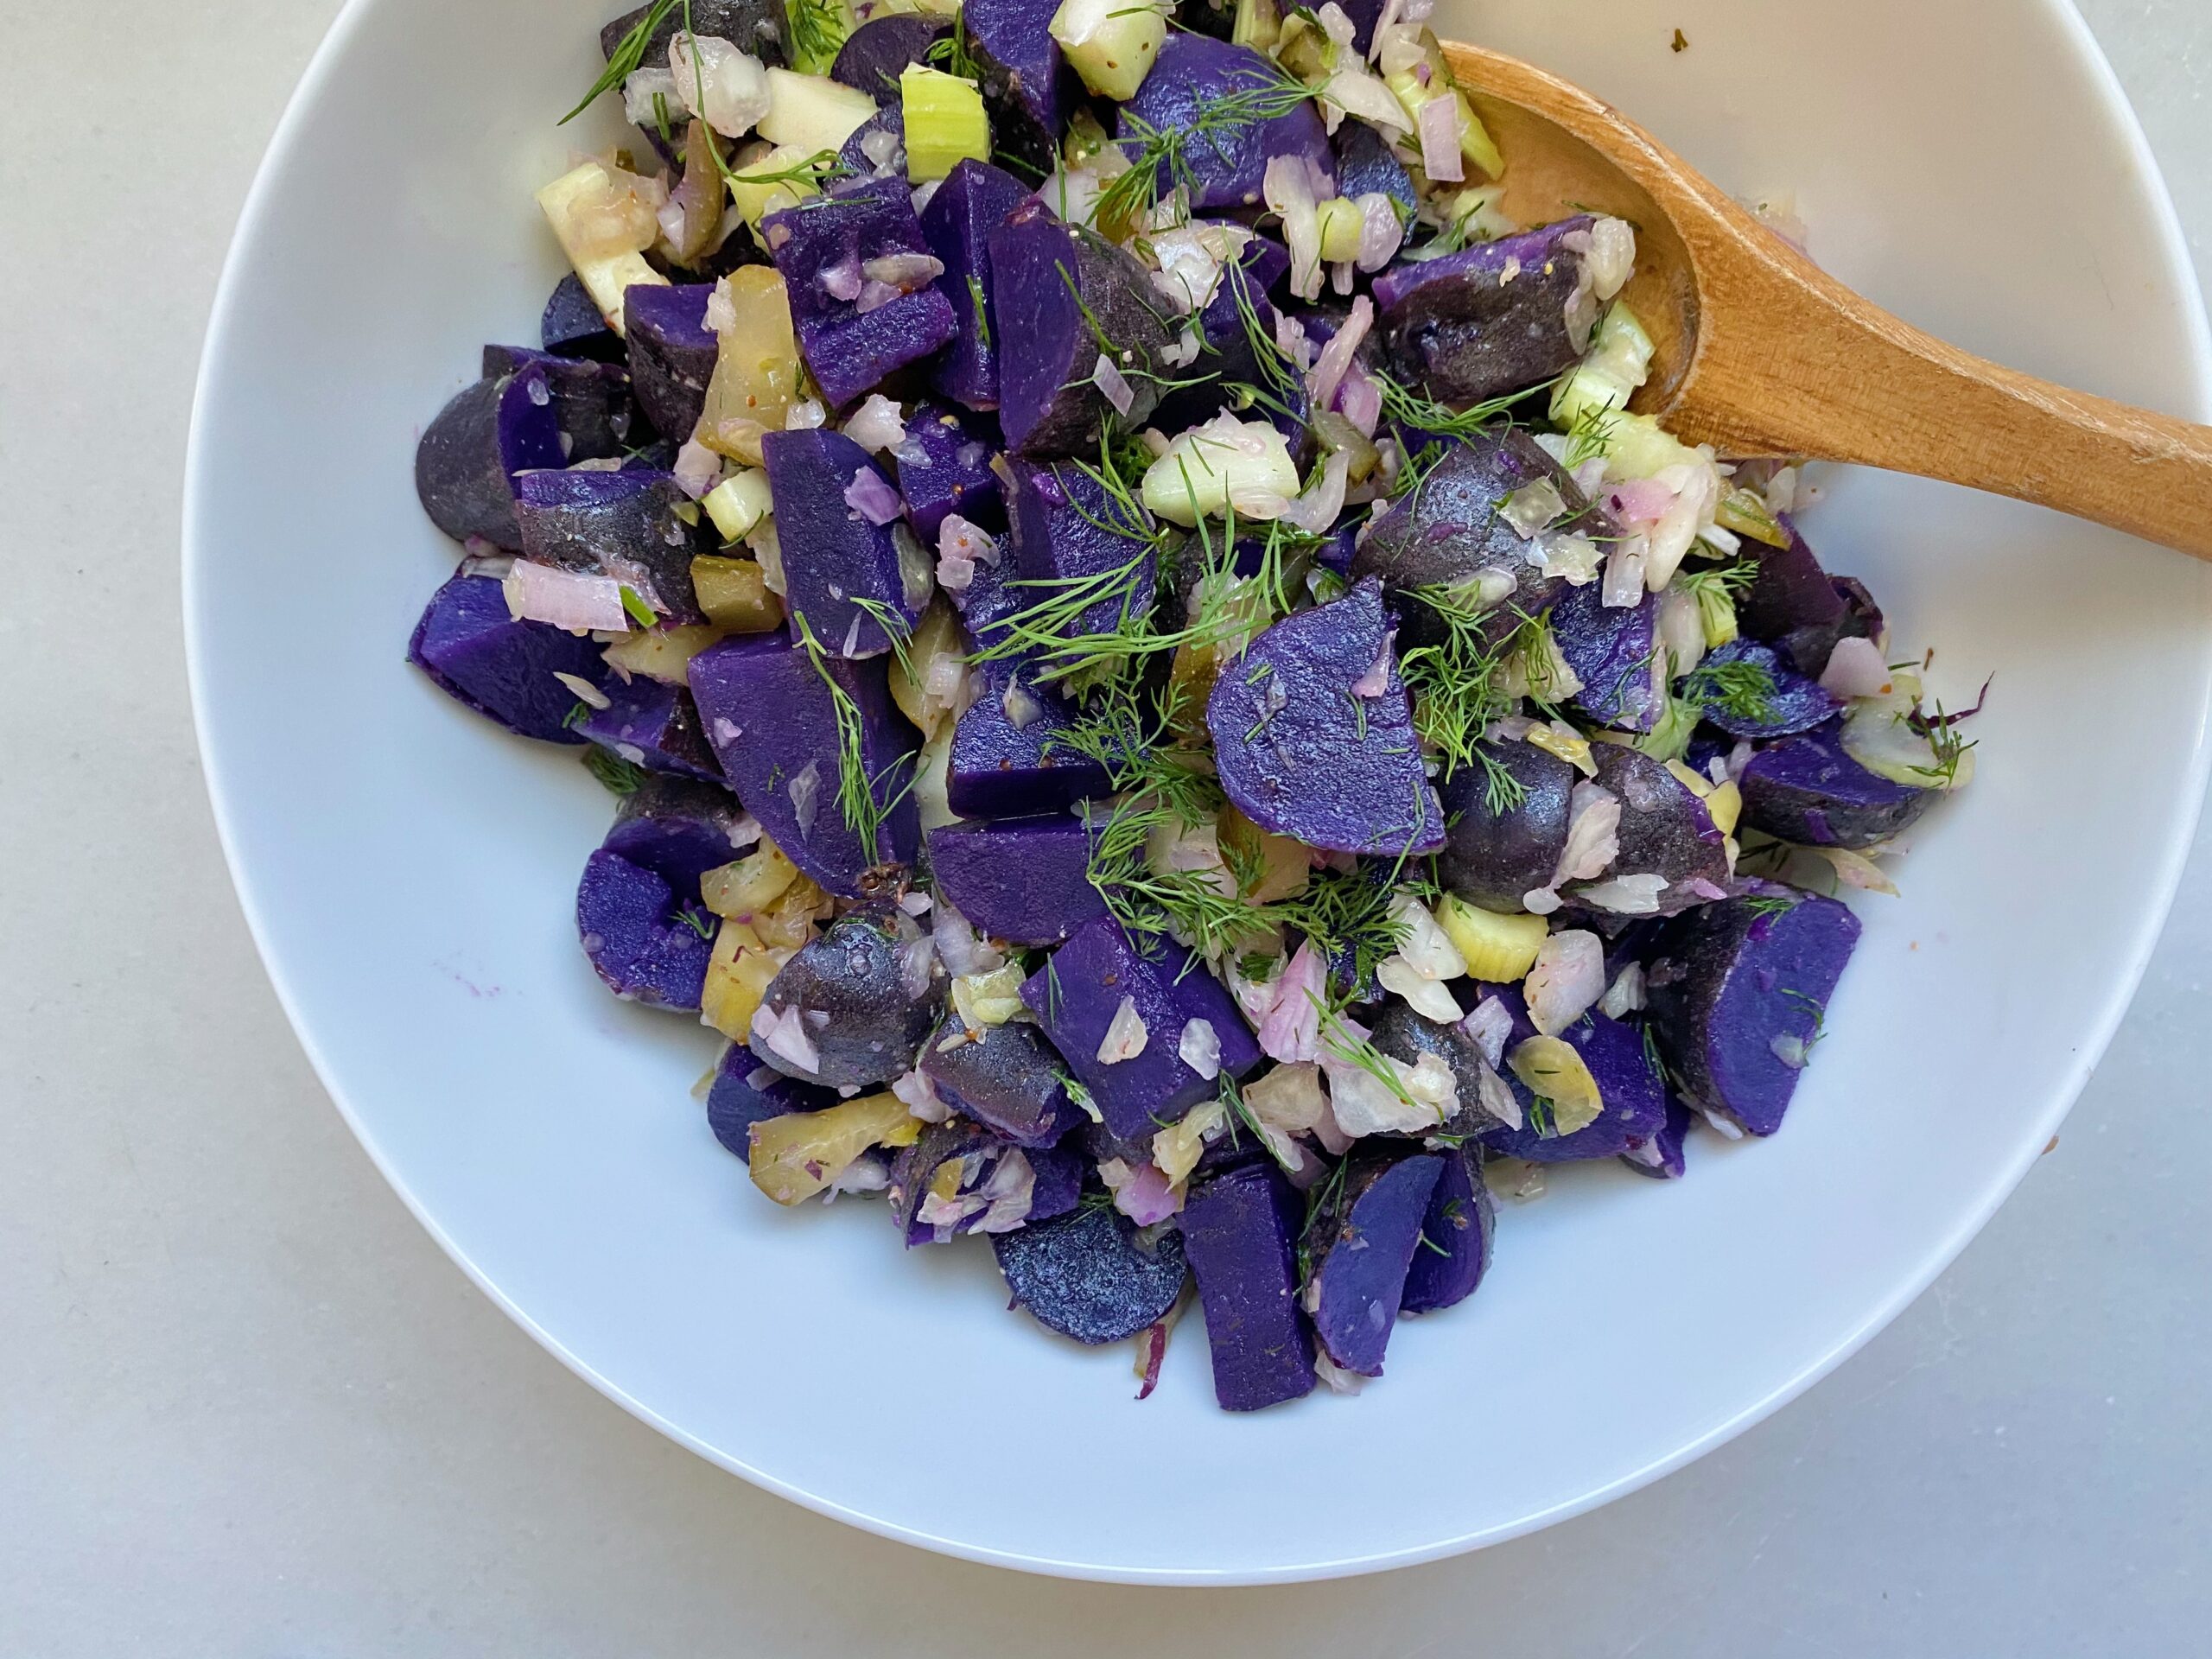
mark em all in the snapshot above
pixel 409 871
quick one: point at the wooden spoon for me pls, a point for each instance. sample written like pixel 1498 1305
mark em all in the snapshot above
pixel 1760 352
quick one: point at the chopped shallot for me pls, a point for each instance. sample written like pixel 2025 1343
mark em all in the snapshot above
pixel 785 1035
pixel 566 599
pixel 1110 382
pixel 1439 140
pixel 876 425
pixel 871 496
pixel 1126 1034
pixel 1567 980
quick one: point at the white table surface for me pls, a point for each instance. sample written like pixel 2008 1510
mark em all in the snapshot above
pixel 246 1407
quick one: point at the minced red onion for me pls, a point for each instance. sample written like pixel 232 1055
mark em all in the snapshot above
pixel 874 295
pixel 697 469
pixel 723 87
pixel 1022 709
pixel 1376 680
pixel 583 691
pixel 1790 1050
pixel 1200 1049
pixel 914 1087
pixel 1142 1194
pixel 1010 1192
pixel 842 279
pixel 806 792
pixel 1626 895
pixel 904 271
pixel 1567 980
pixel 1856 669
pixel 1381 231
pixel 963 953
pixel 1109 381
pixel 785 1035
pixel 960 547
pixel 639 91
pixel 1291 1028
pixel 871 496
pixel 1359 400
pixel 805 416
pixel 1593 834
pixel 1439 125
pixel 882 148
pixel 1336 357
pixel 1489 1024
pixel 565 598
pixel 876 425
pixel 1640 500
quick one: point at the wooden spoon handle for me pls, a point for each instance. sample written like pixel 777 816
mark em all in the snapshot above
pixel 1839 379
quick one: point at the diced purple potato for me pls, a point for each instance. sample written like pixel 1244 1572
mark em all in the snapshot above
pixel 1456 1235
pixel 652 724
pixel 1631 1091
pixel 1006 1077
pixel 877 52
pixel 1240 1233
pixel 466 464
pixel 1612 651
pixel 999 767
pixel 974 200
pixel 1797 704
pixel 1366 165
pixel 1224 169
pixel 1495 860
pixel 1663 1157
pixel 572 326
pixel 1303 755
pixel 1664 829
pixel 672 352
pixel 1489 320
pixel 1450 529
pixel 1401 1034
pixel 755 26
pixel 1738 991
pixel 851 351
pixel 1063 526
pixel 1055 1186
pixel 746 1092
pixel 1024 78
pixel 945 468
pixel 854 154
pixel 1360 1244
pixel 848 989
pixel 678 828
pixel 773 725
pixel 1077 994
pixel 635 936
pixel 1807 790
pixel 1228 357
pixel 1025 880
pixel 592 408
pixel 640 528
pixel 474 651
pixel 1060 297
pixel 835 557
pixel 1797 608
pixel 1086 1275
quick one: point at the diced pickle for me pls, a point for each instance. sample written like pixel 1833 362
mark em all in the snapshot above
pixel 795 1157
pixel 734 592
pixel 756 376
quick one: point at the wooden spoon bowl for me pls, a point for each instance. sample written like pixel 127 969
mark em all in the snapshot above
pixel 1761 352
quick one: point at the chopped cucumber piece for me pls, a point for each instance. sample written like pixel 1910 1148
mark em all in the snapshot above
pixel 945 123
pixel 1225 461
pixel 737 503
pixel 812 113
pixel 1257 23
pixel 817 30
pixel 590 216
pixel 775 178
pixel 1111 43
pixel 734 594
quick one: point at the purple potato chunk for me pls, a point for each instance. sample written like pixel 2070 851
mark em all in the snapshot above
pixel 592 408
pixel 755 26
pixel 1401 1034
pixel 1664 830
pixel 945 468
pixel 1497 859
pixel 1062 298
pixel 1366 165
pixel 847 989
pixel 640 528
pixel 1613 650
pixel 652 724
pixel 1240 1232
pixel 1807 790
pixel 846 573
pixel 1314 743
pixel 1797 608
pixel 646 946
pixel 678 828
pixel 1632 1093
pixel 1738 993
pixel 672 352
pixel 874 55
pixel 1489 320
pixel 854 156
pixel 1662 1157
pixel 1088 1276
pixel 1011 755
pixel 1224 164
pixel 1781 702
pixel 475 652
pixel 1076 995
pixel 1025 880
pixel 974 200
pixel 772 720
pixel 572 326
pixel 1360 1242
pixel 465 466
pixel 1450 529
pixel 1064 527
pixel 746 1092
pixel 959 1178
pixel 851 351
pixel 1028 85
pixel 1457 1236
pixel 1006 1077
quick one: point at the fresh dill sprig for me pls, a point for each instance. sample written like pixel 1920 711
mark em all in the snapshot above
pixel 1590 436
pixel 1767 904
pixel 1949 748
pixel 577 718
pixel 896 629
pixel 1744 691
pixel 1456 689
pixel 1820 1015
pixel 982 311
pixel 629 53
pixel 1726 579
pixel 858 799
pixel 955 55
pixel 822 165
pixel 1130 197
pixel 1406 407
pixel 702 925
pixel 640 613
pixel 615 775
pixel 815 30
